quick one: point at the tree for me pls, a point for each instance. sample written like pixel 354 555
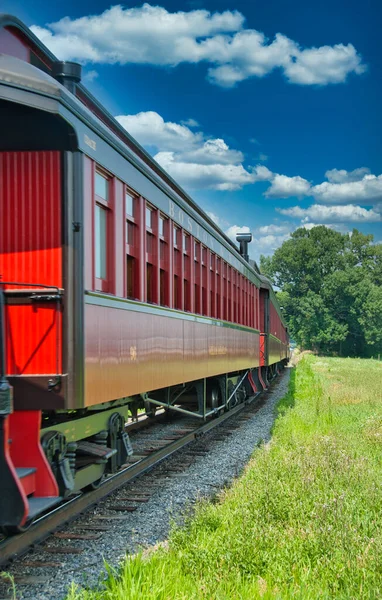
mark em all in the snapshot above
pixel 331 292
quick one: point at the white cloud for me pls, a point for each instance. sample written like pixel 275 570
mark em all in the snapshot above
pixel 190 157
pixel 318 213
pixel 336 226
pixel 196 175
pixel 90 75
pixel 342 176
pixel 328 64
pixel 150 129
pixel 358 186
pixel 367 189
pixel 283 187
pixel 272 229
pixel 153 35
pixel 190 123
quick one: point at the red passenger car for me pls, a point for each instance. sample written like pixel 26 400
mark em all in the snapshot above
pixel 117 290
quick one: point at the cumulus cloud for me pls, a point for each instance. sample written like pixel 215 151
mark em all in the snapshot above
pixel 358 187
pixel 342 176
pixel 320 214
pixel 328 64
pixel 283 187
pixel 273 229
pixel 367 189
pixel 153 35
pixel 189 156
pixel 90 75
pixel 196 175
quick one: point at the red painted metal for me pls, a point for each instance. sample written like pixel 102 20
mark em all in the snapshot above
pixel 29 484
pixel 261 379
pixel 252 382
pixel 26 450
pixel 7 456
pixel 263 342
pixel 31 252
pixel 10 44
pixel 129 352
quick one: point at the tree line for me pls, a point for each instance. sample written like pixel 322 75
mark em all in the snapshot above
pixel 330 290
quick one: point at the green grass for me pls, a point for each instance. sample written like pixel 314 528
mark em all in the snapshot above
pixel 304 520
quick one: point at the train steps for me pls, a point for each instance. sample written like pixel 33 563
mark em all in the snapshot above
pixel 27 476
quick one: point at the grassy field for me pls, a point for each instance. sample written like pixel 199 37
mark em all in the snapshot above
pixel 304 520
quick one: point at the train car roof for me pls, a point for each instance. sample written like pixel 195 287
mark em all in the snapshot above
pixel 86 98
pixel 84 95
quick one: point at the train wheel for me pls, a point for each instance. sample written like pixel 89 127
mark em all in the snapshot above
pixel 95 484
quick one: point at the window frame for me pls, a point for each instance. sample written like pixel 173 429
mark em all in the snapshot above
pixel 100 284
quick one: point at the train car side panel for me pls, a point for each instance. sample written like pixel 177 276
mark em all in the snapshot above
pixel 130 350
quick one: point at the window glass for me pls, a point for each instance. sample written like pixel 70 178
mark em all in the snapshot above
pixel 149 281
pixel 130 270
pixel 100 242
pixel 129 205
pixel 101 186
pixel 162 282
pixel 148 217
pixel 195 250
pixel 175 236
pixel 129 233
pixel 161 226
pixel 185 242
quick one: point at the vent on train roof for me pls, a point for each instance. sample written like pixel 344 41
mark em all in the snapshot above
pixel 67 73
pixel 244 239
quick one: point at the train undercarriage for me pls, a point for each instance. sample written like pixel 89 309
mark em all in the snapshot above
pixel 47 457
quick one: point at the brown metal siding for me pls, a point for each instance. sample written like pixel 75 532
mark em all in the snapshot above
pixel 130 352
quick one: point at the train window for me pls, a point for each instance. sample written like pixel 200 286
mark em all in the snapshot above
pixel 186 242
pixel 187 296
pixel 163 287
pixel 102 223
pixel 129 202
pixel 149 243
pixel 177 294
pixel 101 186
pixel 130 227
pixel 100 242
pixel 148 217
pixel 132 247
pixel 197 298
pixel 130 276
pixel 161 226
pixel 149 282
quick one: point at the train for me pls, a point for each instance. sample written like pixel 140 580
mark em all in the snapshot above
pixel 118 293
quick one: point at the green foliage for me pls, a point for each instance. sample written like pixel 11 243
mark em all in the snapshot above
pixel 303 522
pixel 331 291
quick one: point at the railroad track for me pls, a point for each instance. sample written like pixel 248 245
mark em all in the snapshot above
pixel 150 454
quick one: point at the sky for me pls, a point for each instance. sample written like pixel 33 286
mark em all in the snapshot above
pixel 266 113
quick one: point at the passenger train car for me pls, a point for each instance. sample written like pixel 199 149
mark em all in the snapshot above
pixel 116 290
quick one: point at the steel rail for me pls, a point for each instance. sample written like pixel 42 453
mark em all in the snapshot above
pixel 17 545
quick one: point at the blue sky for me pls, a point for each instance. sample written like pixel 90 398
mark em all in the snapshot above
pixel 267 113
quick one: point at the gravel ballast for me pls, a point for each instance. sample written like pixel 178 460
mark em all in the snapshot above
pixel 171 494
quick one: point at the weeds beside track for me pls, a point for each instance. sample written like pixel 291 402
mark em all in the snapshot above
pixel 304 520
